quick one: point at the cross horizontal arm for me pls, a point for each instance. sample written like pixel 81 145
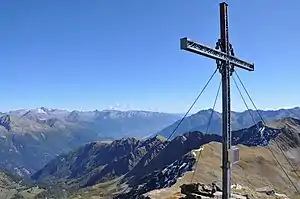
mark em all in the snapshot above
pixel 189 45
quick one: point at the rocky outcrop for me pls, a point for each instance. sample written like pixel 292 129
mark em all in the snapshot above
pixel 202 191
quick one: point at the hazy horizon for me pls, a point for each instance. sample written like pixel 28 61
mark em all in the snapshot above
pixel 147 110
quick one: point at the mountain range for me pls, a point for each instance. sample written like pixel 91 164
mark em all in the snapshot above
pixel 31 138
pixel 199 121
pixel 131 167
pixel 106 123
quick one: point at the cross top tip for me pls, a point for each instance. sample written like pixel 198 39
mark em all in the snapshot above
pixel 224 3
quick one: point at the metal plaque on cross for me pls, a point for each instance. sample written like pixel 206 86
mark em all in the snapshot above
pixel 234 155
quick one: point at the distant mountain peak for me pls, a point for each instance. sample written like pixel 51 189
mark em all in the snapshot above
pixel 5 121
pixel 42 110
pixel 73 116
pixel 35 114
pixel 97 112
pixel 48 110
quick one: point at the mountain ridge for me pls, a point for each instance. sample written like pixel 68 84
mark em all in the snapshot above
pixel 240 120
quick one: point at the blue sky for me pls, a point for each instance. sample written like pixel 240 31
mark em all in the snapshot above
pixel 96 54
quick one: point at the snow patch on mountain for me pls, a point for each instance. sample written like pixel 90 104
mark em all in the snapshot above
pixel 257 135
pixel 165 177
pixel 40 110
pixel 22 172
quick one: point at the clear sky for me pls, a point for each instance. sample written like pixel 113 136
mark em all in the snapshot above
pixel 75 54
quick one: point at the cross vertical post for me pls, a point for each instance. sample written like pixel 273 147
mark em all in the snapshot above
pixel 226 131
pixel 226 61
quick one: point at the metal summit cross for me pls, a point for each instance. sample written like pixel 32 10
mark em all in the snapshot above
pixel 226 61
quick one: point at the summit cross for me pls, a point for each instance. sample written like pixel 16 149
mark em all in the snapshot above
pixel 226 61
